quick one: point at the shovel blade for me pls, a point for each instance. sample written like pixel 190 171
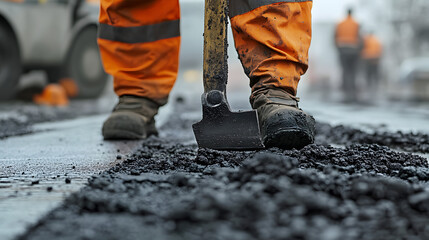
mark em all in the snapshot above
pixel 221 129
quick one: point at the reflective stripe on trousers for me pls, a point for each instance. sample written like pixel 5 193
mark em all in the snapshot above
pixel 140 34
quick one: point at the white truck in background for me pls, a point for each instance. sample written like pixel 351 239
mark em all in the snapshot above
pixel 57 36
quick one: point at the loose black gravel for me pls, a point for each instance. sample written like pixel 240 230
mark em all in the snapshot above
pixel 167 190
pixel 412 142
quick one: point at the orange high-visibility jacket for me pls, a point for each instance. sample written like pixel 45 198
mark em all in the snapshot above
pixel 139 43
pixel 372 47
pixel 347 33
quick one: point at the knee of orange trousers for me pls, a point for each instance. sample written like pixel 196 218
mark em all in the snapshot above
pixel 272 42
pixel 142 69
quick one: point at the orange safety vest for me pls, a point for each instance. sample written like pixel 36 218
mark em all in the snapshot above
pixel 347 32
pixel 372 48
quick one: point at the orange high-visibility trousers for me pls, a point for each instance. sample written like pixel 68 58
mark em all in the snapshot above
pixel 272 39
pixel 139 43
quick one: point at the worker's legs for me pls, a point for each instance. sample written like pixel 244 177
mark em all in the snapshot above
pixel 344 71
pixel 371 67
pixel 272 39
pixel 352 72
pixel 368 73
pixel 375 74
pixel 349 61
pixel 139 44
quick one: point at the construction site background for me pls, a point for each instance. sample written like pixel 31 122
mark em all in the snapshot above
pixel 403 29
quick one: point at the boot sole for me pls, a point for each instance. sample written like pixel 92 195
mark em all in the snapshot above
pixel 288 138
pixel 115 134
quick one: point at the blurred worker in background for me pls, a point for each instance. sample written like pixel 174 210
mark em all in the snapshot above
pixel 349 43
pixel 139 43
pixel 371 54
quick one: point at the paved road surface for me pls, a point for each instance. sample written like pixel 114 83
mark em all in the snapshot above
pixel 31 164
pixel 74 150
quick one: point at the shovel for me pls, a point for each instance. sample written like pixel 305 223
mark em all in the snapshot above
pixel 220 128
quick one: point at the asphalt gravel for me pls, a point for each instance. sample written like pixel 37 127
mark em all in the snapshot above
pixel 170 189
pixel 345 135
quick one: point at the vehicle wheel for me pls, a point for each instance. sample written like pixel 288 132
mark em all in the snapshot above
pixel 84 64
pixel 10 63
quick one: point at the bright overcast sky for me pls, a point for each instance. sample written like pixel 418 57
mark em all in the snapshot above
pixel 330 10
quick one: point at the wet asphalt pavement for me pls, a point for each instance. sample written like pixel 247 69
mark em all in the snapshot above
pixel 351 184
pixel 44 159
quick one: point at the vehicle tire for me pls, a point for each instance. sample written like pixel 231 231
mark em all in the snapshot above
pixel 84 64
pixel 10 63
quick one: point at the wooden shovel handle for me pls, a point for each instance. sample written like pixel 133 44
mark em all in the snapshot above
pixel 215 64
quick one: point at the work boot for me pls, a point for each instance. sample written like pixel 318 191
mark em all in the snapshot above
pixel 283 124
pixel 132 118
